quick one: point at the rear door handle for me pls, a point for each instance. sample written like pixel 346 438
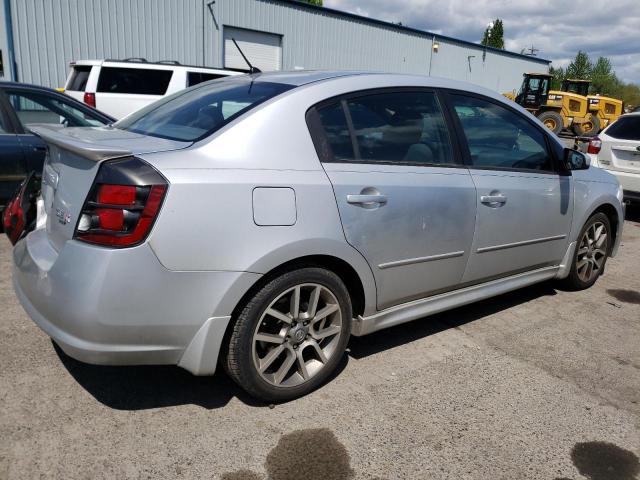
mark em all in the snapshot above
pixel 367 199
pixel 493 200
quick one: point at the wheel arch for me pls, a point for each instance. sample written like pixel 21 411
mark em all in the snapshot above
pixel 614 221
pixel 339 266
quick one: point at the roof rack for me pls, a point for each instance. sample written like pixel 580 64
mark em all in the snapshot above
pixel 170 62
pixel 134 59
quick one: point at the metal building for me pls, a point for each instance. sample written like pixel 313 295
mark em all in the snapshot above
pixel 38 39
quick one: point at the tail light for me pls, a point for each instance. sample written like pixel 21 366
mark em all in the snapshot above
pixel 122 205
pixel 595 144
pixel 90 99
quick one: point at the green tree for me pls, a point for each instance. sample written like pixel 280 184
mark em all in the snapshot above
pixel 603 78
pixel 558 75
pixel 494 35
pixel 629 93
pixel 580 67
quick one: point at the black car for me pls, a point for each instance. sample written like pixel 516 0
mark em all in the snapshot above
pixel 22 106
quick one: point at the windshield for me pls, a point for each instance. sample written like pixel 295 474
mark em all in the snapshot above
pixel 197 112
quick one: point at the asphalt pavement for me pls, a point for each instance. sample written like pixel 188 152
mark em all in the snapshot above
pixel 535 384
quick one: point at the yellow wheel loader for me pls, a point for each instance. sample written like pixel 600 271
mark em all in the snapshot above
pixel 557 110
pixel 607 109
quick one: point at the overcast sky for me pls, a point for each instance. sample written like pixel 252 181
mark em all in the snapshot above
pixel 609 28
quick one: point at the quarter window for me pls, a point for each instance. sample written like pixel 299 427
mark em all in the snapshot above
pixel 142 81
pixel 336 129
pixel 396 127
pixel 500 138
pixel 79 77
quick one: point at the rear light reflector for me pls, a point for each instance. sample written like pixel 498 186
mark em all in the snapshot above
pixel 122 205
pixel 117 194
pixel 90 99
pixel 595 144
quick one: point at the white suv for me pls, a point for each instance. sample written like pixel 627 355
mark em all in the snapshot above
pixel 617 149
pixel 119 87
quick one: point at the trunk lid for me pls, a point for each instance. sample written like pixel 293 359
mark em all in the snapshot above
pixel 73 159
pixel 621 155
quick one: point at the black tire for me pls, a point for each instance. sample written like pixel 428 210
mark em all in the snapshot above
pixel 575 281
pixel 239 361
pixel 552 120
pixel 588 129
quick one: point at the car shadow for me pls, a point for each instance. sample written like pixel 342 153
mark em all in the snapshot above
pixel 145 387
pixel 632 213
pixel 156 386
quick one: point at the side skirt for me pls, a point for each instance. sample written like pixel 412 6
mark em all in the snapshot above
pixel 438 303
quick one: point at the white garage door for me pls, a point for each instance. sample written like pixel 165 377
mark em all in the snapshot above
pixel 263 50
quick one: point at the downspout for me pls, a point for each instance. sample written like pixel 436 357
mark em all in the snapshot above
pixel 9 27
pixel 433 41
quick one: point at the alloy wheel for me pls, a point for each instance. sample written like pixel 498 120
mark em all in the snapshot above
pixel 298 333
pixel 592 251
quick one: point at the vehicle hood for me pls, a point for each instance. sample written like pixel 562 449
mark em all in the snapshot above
pixel 101 143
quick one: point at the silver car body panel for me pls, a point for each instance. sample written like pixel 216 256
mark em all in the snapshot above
pixel 170 299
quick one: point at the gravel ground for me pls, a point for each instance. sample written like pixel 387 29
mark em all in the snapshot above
pixel 539 383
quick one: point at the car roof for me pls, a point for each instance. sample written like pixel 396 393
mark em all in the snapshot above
pixel 144 64
pixel 299 78
pixel 4 84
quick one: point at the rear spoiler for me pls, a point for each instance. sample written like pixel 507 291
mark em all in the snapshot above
pixel 66 139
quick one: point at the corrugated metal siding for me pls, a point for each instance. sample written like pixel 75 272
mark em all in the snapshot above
pixel 315 39
pixel 51 33
pixel 6 74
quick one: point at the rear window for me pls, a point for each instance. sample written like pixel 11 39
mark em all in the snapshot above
pixel 79 77
pixel 625 128
pixel 190 115
pixel 194 78
pixel 141 81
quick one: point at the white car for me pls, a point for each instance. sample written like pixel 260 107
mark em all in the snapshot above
pixel 617 150
pixel 120 87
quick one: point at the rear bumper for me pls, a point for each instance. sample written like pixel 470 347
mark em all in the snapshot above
pixel 122 307
pixel 630 184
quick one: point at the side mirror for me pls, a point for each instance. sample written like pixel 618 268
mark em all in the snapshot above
pixel 575 160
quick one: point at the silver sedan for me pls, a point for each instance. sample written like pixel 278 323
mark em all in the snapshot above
pixel 259 221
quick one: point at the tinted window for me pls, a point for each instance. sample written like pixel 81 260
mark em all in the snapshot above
pixel 500 138
pixel 79 77
pixel 192 114
pixel 194 78
pixel 134 80
pixel 4 128
pixel 37 108
pixel 625 128
pixel 399 127
pixel 336 129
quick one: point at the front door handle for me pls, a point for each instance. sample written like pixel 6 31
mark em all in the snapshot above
pixel 493 200
pixel 367 200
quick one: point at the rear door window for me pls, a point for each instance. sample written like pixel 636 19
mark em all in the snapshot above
pixel 625 128
pixel 404 127
pixel 194 78
pixel 79 77
pixel 142 81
